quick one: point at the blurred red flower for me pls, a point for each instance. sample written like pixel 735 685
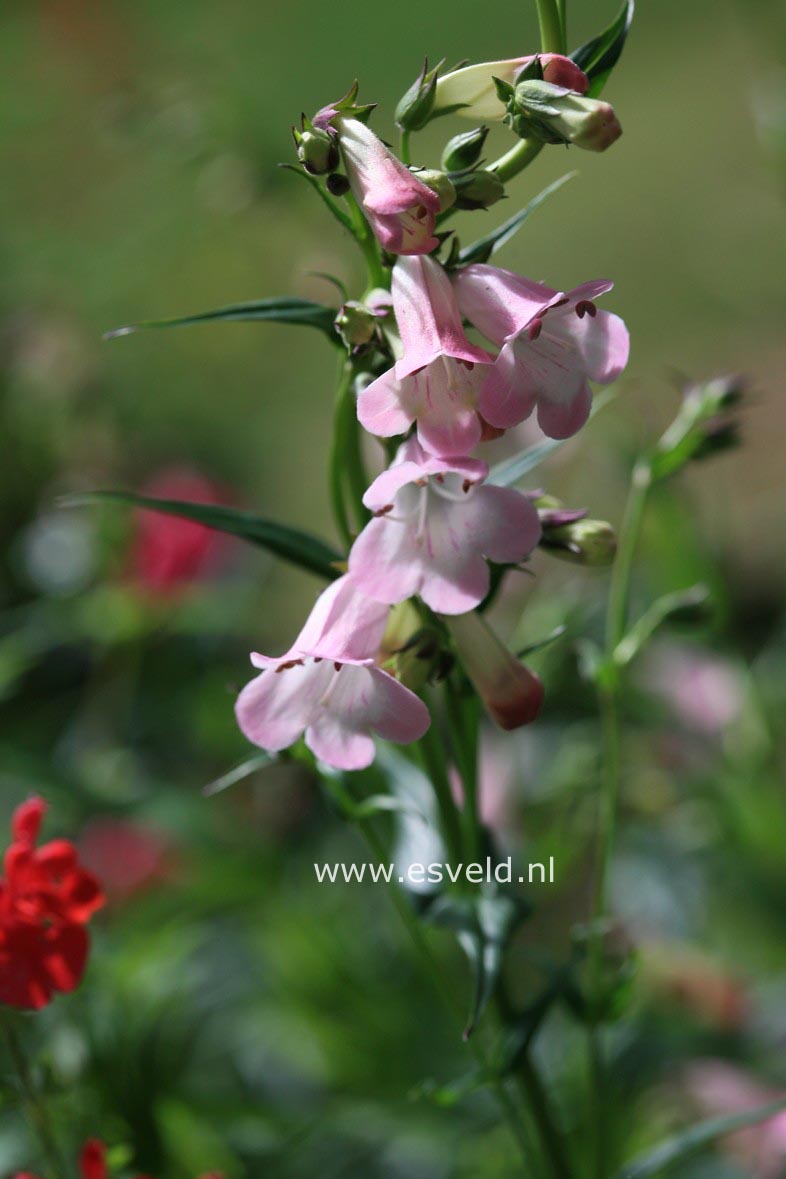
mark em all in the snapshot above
pixel 46 899
pixel 127 857
pixel 93 1165
pixel 169 553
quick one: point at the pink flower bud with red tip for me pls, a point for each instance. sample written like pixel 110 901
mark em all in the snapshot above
pixel 511 693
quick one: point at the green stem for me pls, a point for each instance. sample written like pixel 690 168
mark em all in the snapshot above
pixel 462 714
pixel 551 29
pixel 563 19
pixel 404 148
pixel 423 951
pixel 432 755
pixel 35 1108
pixel 608 701
pixel 377 275
pixel 536 1097
pixel 517 159
pixel 337 457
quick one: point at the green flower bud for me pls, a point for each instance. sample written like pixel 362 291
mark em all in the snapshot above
pixel 414 109
pixel 414 653
pixel 356 324
pixel 555 114
pixel 478 190
pixel 463 151
pixel 585 542
pixel 439 183
pixel 316 150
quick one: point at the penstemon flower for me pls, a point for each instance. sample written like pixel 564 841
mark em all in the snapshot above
pixel 436 382
pixel 435 523
pixel 552 345
pixel 400 209
pixel 328 687
pixel 511 693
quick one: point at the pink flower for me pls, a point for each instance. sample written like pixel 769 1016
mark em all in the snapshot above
pixel 400 209
pixel 435 382
pixel 434 526
pixel 720 1090
pixel 552 345
pixel 328 687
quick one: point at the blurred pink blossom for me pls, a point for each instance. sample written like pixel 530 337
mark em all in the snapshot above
pixel 720 1089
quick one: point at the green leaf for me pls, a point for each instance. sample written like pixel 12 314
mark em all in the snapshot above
pixel 539 644
pixel 599 56
pixel 511 470
pixel 483 925
pixel 481 250
pixel 285 310
pixel 689 1141
pixel 688 605
pixel 238 773
pixel 300 548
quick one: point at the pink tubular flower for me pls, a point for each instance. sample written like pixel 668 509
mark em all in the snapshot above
pixel 511 693
pixel 552 345
pixel 434 526
pixel 328 687
pixel 435 382
pixel 473 91
pixel 400 209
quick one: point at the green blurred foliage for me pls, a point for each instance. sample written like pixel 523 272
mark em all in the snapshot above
pixel 236 1015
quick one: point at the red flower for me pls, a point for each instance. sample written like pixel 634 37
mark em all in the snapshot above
pixel 92 1164
pixel 46 899
pixel 170 553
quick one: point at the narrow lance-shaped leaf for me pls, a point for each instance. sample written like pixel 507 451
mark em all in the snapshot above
pixel 689 1141
pixel 284 310
pixel 512 469
pixel 300 548
pixel 481 250
pixel 483 926
pixel 599 56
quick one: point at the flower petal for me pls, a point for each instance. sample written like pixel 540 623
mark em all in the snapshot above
pixel 275 707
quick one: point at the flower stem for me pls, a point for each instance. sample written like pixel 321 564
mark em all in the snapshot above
pixel 516 160
pixel 35 1108
pixel 552 37
pixel 608 701
pixel 377 275
pixel 496 1084
pixel 462 714
pixel 432 755
pixel 404 148
pixel 337 458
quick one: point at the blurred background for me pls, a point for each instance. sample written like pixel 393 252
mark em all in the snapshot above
pixel 236 1014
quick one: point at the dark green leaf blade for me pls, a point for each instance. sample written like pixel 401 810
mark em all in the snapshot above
pixel 481 250
pixel 681 1145
pixel 599 56
pixel 285 310
pixel 512 469
pixel 300 548
pixel 483 925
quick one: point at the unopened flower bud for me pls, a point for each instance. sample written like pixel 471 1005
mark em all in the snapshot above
pixel 511 693
pixel 705 425
pixel 555 114
pixel 316 150
pixel 414 653
pixel 439 183
pixel 463 151
pixel 471 91
pixel 414 109
pixel 356 324
pixel 478 190
pixel 585 542
pixel 337 184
